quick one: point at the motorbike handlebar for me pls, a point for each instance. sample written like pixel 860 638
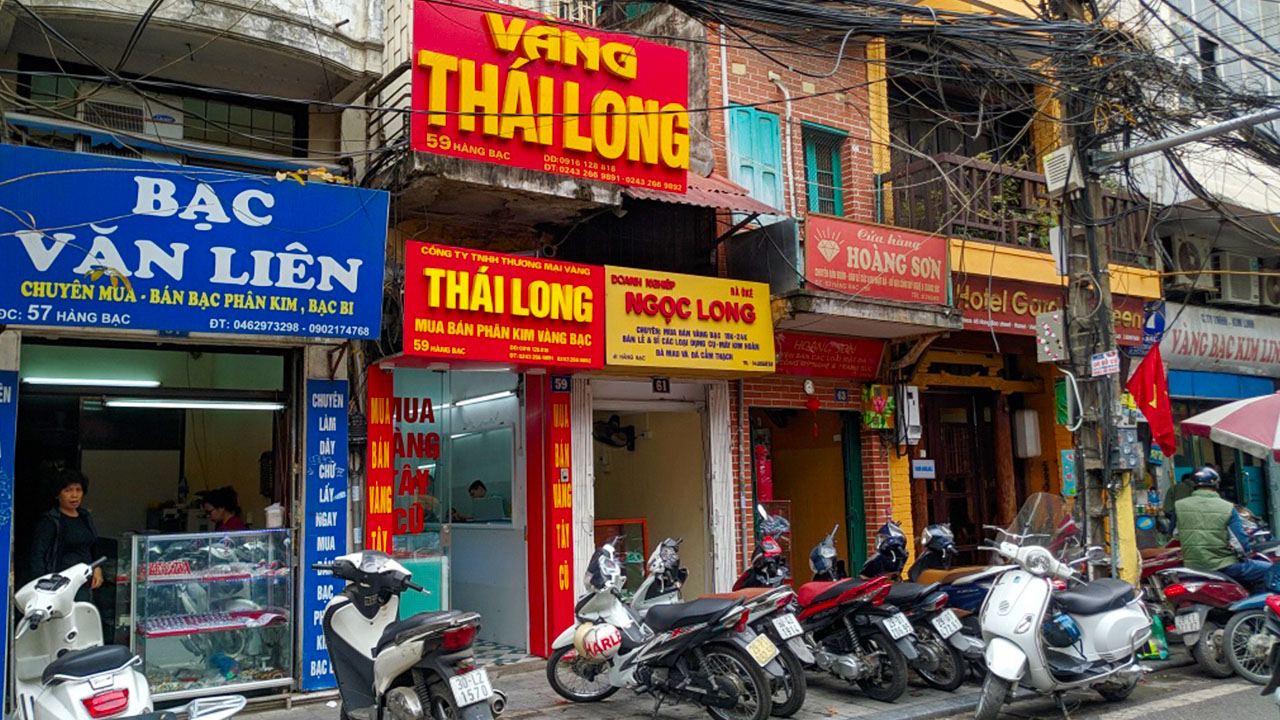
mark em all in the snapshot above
pixel 322 566
pixel 98 563
pixel 414 586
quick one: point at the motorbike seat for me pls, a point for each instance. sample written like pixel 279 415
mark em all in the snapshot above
pixel 410 623
pixel 814 592
pixel 662 618
pixel 909 593
pixel 1096 597
pixel 947 577
pixel 750 593
pixel 88 662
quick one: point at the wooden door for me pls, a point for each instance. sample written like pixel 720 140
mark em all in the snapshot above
pixel 958 437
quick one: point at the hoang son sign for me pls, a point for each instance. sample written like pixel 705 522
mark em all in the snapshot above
pixel 503 85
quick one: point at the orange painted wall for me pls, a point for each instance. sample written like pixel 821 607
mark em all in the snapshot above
pixel 809 471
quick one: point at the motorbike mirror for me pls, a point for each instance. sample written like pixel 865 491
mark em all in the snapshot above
pixel 764 514
pixel 1095 554
pixel 219 707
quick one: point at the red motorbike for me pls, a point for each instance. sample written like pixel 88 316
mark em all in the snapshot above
pixel 1200 603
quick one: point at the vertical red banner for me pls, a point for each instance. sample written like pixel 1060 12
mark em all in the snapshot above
pixel 380 519
pixel 560 484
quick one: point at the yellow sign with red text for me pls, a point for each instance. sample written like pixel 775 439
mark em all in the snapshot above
pixel 670 320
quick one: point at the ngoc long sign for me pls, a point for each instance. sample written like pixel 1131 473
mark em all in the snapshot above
pixel 503 85
pixel 94 241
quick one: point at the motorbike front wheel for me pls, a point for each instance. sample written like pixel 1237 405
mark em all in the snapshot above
pixel 1247 644
pixel 577 680
pixel 890 679
pixel 1209 651
pixel 949 670
pixel 789 692
pixel 732 663
pixel 995 690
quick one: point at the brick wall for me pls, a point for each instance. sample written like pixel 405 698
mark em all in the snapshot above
pixel 844 107
pixel 788 392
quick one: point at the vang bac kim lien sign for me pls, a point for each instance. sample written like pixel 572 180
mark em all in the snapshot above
pixel 498 84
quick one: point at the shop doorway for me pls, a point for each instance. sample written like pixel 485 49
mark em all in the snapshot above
pixel 958 436
pixel 807 466
pixel 651 484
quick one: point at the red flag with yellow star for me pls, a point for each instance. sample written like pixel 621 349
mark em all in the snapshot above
pixel 1149 387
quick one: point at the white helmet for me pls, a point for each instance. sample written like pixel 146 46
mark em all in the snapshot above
pixel 597 642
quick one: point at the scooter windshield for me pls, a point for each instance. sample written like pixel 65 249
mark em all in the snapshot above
pixel 1048 521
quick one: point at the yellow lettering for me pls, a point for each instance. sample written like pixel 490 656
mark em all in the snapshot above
pixel 643 122
pixel 483 99
pixel 433 275
pixel 608 124
pixel 517 108
pixel 675 136
pixel 542 42
pixel 504 39
pixel 572 108
pixel 588 48
pixel 438 88
pixel 619 60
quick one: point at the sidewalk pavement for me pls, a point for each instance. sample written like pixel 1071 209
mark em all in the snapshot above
pixel 529 696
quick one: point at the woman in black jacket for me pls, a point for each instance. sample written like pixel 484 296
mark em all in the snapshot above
pixel 64 536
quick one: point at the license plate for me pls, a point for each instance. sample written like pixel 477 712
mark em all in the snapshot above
pixel 762 650
pixel 898 626
pixel 471 688
pixel 1188 623
pixel 946 623
pixel 787 626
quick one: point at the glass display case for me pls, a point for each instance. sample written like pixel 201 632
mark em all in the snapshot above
pixel 632 550
pixel 209 612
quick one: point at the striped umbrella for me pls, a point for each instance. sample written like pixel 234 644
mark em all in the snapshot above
pixel 1251 425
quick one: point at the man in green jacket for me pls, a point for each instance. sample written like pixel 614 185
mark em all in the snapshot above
pixel 1213 537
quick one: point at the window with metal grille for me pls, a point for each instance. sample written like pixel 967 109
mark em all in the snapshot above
pixel 822 170
pixel 254 128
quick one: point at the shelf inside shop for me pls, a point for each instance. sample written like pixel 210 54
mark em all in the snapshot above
pixel 199 623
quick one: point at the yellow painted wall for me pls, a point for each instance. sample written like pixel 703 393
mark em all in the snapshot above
pixel 900 491
pixel 663 480
pixel 222 448
pixel 808 470
pixel 1054 438
pixel 1015 263
pixel 1017 8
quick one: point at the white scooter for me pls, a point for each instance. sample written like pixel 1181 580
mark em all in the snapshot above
pixel 62 671
pixel 412 669
pixel 1053 641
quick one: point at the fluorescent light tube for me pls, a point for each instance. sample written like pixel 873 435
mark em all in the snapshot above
pixel 484 398
pixel 181 404
pixel 98 382
pixel 462 435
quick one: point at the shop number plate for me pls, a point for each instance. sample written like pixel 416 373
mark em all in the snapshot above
pixel 787 626
pixel 946 623
pixel 1188 623
pixel 762 650
pixel 898 626
pixel 471 688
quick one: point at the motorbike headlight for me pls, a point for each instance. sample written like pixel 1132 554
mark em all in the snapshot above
pixel 1039 562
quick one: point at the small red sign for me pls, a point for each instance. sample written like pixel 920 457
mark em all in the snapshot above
pixel 476 306
pixel 875 261
pixel 1010 306
pixel 168 568
pixel 380 518
pixel 828 356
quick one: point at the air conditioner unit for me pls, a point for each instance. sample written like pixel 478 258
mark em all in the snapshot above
pixel 1062 170
pixel 1270 290
pixel 127 111
pixel 1237 279
pixel 1190 262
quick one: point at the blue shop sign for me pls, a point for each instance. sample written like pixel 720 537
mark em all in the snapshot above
pixel 324 525
pixel 94 241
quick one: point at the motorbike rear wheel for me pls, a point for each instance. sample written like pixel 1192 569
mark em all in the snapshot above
pixel 995 690
pixel 755 699
pixel 574 686
pixel 1210 653
pixel 890 680
pixel 789 693
pixel 443 706
pixel 1119 690
pixel 948 674
pixel 1247 645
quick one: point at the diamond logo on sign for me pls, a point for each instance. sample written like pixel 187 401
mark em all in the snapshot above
pixel 829 248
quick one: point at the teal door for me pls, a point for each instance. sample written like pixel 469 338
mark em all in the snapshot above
pixel 855 508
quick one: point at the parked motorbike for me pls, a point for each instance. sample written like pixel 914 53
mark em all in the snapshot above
pixel 939 640
pixel 1200 603
pixel 692 651
pixel 1051 641
pixel 966 589
pixel 770 615
pixel 1273 628
pixel 1246 639
pixel 389 669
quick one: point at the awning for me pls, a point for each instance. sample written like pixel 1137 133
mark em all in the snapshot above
pixel 1200 385
pixel 710 192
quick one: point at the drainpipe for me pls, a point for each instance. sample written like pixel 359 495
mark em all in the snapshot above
pixel 776 79
pixel 744 460
pixel 724 102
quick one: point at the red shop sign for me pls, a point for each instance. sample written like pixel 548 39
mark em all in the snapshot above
pixel 1010 306
pixel 828 356
pixel 482 306
pixel 503 85
pixel 875 261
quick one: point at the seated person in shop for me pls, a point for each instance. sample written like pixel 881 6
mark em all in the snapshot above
pixel 483 507
pixel 1213 537
pixel 65 534
pixel 223 508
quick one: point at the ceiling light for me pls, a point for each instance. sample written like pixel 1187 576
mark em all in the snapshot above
pixel 462 435
pixel 193 404
pixel 99 382
pixel 484 398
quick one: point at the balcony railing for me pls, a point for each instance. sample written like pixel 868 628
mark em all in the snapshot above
pixel 969 198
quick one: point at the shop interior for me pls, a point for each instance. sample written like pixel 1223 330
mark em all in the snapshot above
pixel 458 498
pixel 650 484
pixel 798 462
pixel 959 437
pixel 151 428
pixel 1244 477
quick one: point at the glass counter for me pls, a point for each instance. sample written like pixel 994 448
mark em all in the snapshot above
pixel 209 612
